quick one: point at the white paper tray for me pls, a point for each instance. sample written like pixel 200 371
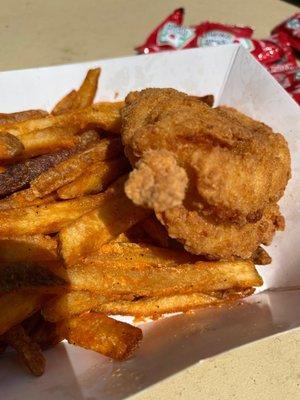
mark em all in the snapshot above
pixel 174 343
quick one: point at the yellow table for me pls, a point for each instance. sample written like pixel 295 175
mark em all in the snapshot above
pixel 36 33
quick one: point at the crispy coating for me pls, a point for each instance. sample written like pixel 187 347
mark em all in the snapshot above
pixel 237 169
pixel 158 181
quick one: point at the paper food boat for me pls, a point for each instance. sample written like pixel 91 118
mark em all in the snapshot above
pixel 174 343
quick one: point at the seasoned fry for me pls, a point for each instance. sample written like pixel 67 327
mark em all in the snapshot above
pixel 46 218
pixel 86 93
pixel 38 248
pixel 20 116
pixel 28 350
pixel 112 217
pixel 157 233
pixel 18 176
pixel 3 347
pixel 78 302
pixel 104 116
pixel 72 168
pixel 142 275
pixel 16 307
pixel 29 276
pixel 10 146
pixel 105 335
pixel 261 257
pixel 46 335
pixel 48 140
pixel 25 198
pixel 65 104
pixel 95 180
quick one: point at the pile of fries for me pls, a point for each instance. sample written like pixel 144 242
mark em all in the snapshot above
pixel 74 250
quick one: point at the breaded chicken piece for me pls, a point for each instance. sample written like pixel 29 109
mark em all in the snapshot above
pixel 236 169
pixel 236 164
pixel 201 234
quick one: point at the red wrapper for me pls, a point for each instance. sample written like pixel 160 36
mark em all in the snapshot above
pixel 171 35
pixel 295 92
pixel 291 27
pixel 275 53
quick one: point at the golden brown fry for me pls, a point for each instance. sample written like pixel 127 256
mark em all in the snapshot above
pixel 48 140
pixel 2 169
pixel 112 217
pixel 16 307
pixel 157 233
pixel 104 116
pixel 29 276
pixel 142 275
pixel 102 334
pixel 87 91
pixel 46 218
pixel 77 302
pixel 25 198
pixel 261 257
pixel 29 351
pixel 46 335
pixel 70 169
pixel 3 347
pixel 95 180
pixel 20 116
pixel 10 146
pixel 65 104
pixel 38 248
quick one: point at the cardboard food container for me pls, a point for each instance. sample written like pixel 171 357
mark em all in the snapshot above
pixel 173 343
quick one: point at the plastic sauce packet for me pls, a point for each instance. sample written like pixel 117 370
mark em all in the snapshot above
pixel 172 35
pixel 295 92
pixel 276 53
pixel 291 27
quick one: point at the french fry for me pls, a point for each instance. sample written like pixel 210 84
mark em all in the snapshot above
pixel 70 169
pixel 104 116
pixel 157 232
pixel 29 276
pixel 20 116
pixel 65 104
pixel 17 306
pixel 78 302
pixel 10 146
pixel 95 180
pixel 104 223
pixel 47 141
pixel 127 273
pixel 3 347
pixel 46 335
pixel 102 334
pixel 81 98
pixel 28 249
pixel 87 91
pixel 25 198
pixel 261 257
pixel 46 218
pixel 19 175
pixel 2 169
pixel 29 351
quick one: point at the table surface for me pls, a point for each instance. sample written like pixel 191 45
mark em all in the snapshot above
pixel 39 33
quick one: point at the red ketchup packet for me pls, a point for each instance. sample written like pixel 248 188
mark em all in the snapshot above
pixel 172 35
pixel 291 27
pixel 276 53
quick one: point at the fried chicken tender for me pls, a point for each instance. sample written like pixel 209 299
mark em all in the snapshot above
pixel 236 170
